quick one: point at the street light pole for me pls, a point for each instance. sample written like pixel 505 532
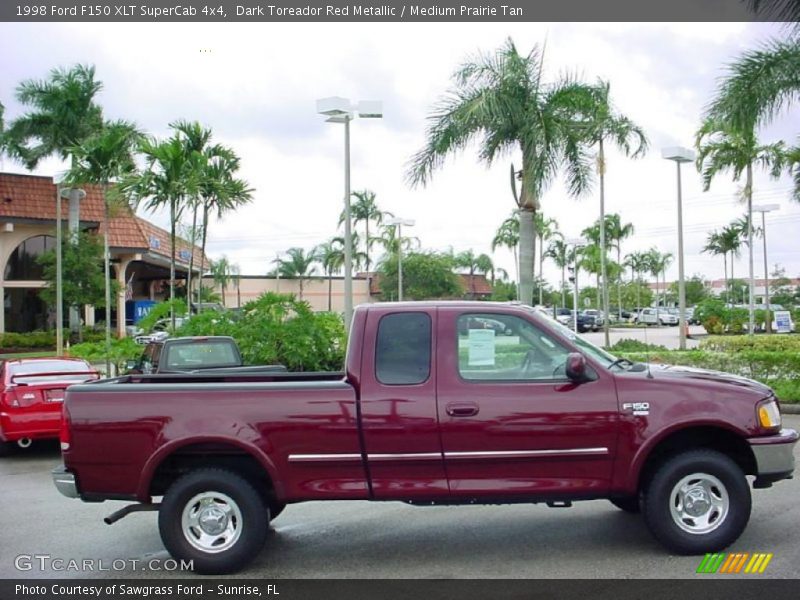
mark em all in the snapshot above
pixel 397 222
pixel 341 110
pixel 764 209
pixel 59 290
pixel 680 155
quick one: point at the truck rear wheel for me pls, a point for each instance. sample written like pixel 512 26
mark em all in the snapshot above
pixel 697 502
pixel 214 518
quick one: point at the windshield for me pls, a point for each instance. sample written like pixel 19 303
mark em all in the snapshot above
pixel 587 348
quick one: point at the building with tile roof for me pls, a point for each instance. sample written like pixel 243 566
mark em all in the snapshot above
pixel 140 251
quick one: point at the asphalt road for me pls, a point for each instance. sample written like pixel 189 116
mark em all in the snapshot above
pixel 384 540
pixel 661 336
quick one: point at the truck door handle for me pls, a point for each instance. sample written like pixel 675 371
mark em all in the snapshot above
pixel 462 410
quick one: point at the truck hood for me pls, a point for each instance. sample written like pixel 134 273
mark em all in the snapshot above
pixel 691 373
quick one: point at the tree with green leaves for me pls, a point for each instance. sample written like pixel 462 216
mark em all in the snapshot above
pixel 105 159
pixel 561 254
pixel 546 229
pixel 474 264
pixel 82 266
pixel 63 113
pixel 298 264
pixel 365 210
pixel 715 245
pixel 502 100
pixel 507 236
pixel 617 232
pixel 220 274
pixel 169 178
pixel 391 243
pixel 638 263
pixel 696 289
pixel 723 147
pixel 331 256
pixel 603 125
pixel 426 275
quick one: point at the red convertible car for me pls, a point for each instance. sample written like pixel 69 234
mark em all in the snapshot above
pixel 32 394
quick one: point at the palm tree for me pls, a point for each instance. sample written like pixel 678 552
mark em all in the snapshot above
pixel 219 189
pixel 474 263
pixel 721 147
pixel 603 124
pixel 391 243
pixel 545 228
pixel 64 114
pixel 657 264
pixel 105 158
pixel 298 265
pixel 507 236
pixel 365 210
pixel 617 233
pixel 715 245
pixel 169 178
pixel 221 274
pixel 236 276
pixel 502 99
pixel 331 255
pixel 559 251
pixel 638 263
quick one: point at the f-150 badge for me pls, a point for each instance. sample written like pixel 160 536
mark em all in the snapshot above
pixel 638 408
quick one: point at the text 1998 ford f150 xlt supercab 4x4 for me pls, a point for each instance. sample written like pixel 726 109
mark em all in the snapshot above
pixel 428 411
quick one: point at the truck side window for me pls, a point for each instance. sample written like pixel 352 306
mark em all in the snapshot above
pixel 505 347
pixel 403 350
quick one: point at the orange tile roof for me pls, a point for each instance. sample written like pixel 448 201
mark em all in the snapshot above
pixel 34 197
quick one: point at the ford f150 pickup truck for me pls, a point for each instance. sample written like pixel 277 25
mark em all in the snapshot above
pixel 428 411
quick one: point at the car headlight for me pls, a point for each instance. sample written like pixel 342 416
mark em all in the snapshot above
pixel 769 415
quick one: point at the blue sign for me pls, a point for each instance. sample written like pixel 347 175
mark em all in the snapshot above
pixel 155 243
pixel 184 254
pixel 136 310
pixel 783 321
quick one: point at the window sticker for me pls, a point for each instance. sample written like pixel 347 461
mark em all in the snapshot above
pixel 481 343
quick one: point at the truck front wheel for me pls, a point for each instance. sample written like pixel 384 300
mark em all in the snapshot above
pixel 214 518
pixel 697 502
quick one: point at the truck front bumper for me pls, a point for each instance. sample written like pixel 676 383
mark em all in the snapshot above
pixel 65 482
pixel 774 456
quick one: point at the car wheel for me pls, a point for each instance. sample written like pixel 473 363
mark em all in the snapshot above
pixel 275 508
pixel 630 504
pixel 214 518
pixel 5 448
pixel 697 502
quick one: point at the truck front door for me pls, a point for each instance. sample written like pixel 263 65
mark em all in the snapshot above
pixel 512 424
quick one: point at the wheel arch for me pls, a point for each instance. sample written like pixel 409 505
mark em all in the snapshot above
pixel 182 455
pixel 711 435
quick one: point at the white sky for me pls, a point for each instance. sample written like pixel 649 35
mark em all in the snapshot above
pixel 256 86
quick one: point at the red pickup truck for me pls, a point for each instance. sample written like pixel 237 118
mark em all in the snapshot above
pixel 428 411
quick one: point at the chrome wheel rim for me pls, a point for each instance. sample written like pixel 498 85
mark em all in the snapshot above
pixel 211 522
pixel 699 503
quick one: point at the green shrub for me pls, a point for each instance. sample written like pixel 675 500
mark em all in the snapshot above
pixel 631 345
pixel 278 329
pixel 122 350
pixel 771 343
pixel 161 311
pixel 33 339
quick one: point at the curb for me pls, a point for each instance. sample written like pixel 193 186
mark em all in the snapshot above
pixel 790 409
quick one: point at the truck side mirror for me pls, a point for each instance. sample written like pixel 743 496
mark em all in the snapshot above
pixel 576 368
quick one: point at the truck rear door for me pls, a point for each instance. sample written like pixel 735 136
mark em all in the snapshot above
pixel 512 424
pixel 398 405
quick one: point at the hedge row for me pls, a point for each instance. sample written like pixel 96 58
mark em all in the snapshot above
pixel 779 370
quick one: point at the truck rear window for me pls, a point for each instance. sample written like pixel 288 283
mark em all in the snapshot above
pixel 201 355
pixel 403 351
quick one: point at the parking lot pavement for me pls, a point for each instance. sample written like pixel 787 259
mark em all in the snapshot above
pixel 660 336
pixel 385 540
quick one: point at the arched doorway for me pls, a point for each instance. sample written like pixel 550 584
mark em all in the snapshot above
pixel 24 308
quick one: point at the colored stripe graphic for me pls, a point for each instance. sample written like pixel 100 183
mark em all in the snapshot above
pixel 722 562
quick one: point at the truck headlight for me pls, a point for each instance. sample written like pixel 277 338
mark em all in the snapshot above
pixel 769 415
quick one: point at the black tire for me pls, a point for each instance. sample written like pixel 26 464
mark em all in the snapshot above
pixel 657 502
pixel 5 448
pixel 630 504
pixel 226 489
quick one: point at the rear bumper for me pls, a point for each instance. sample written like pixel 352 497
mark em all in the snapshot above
pixel 65 482
pixel 774 455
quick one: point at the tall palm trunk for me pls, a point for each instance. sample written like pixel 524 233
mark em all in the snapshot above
pixel 330 290
pixel 601 164
pixel 191 262
pixel 725 267
pixel 751 282
pixel 541 269
pixel 172 217
pixel 366 244
pixel 203 250
pixel 527 251
pixel 619 282
pixel 516 269
pixel 107 277
pixel 563 285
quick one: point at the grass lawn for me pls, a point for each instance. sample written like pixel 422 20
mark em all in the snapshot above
pixel 15 355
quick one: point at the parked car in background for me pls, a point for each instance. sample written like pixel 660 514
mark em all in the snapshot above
pixel 585 322
pixel 31 396
pixel 656 316
pixel 597 315
pixel 564 316
pixel 160 331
